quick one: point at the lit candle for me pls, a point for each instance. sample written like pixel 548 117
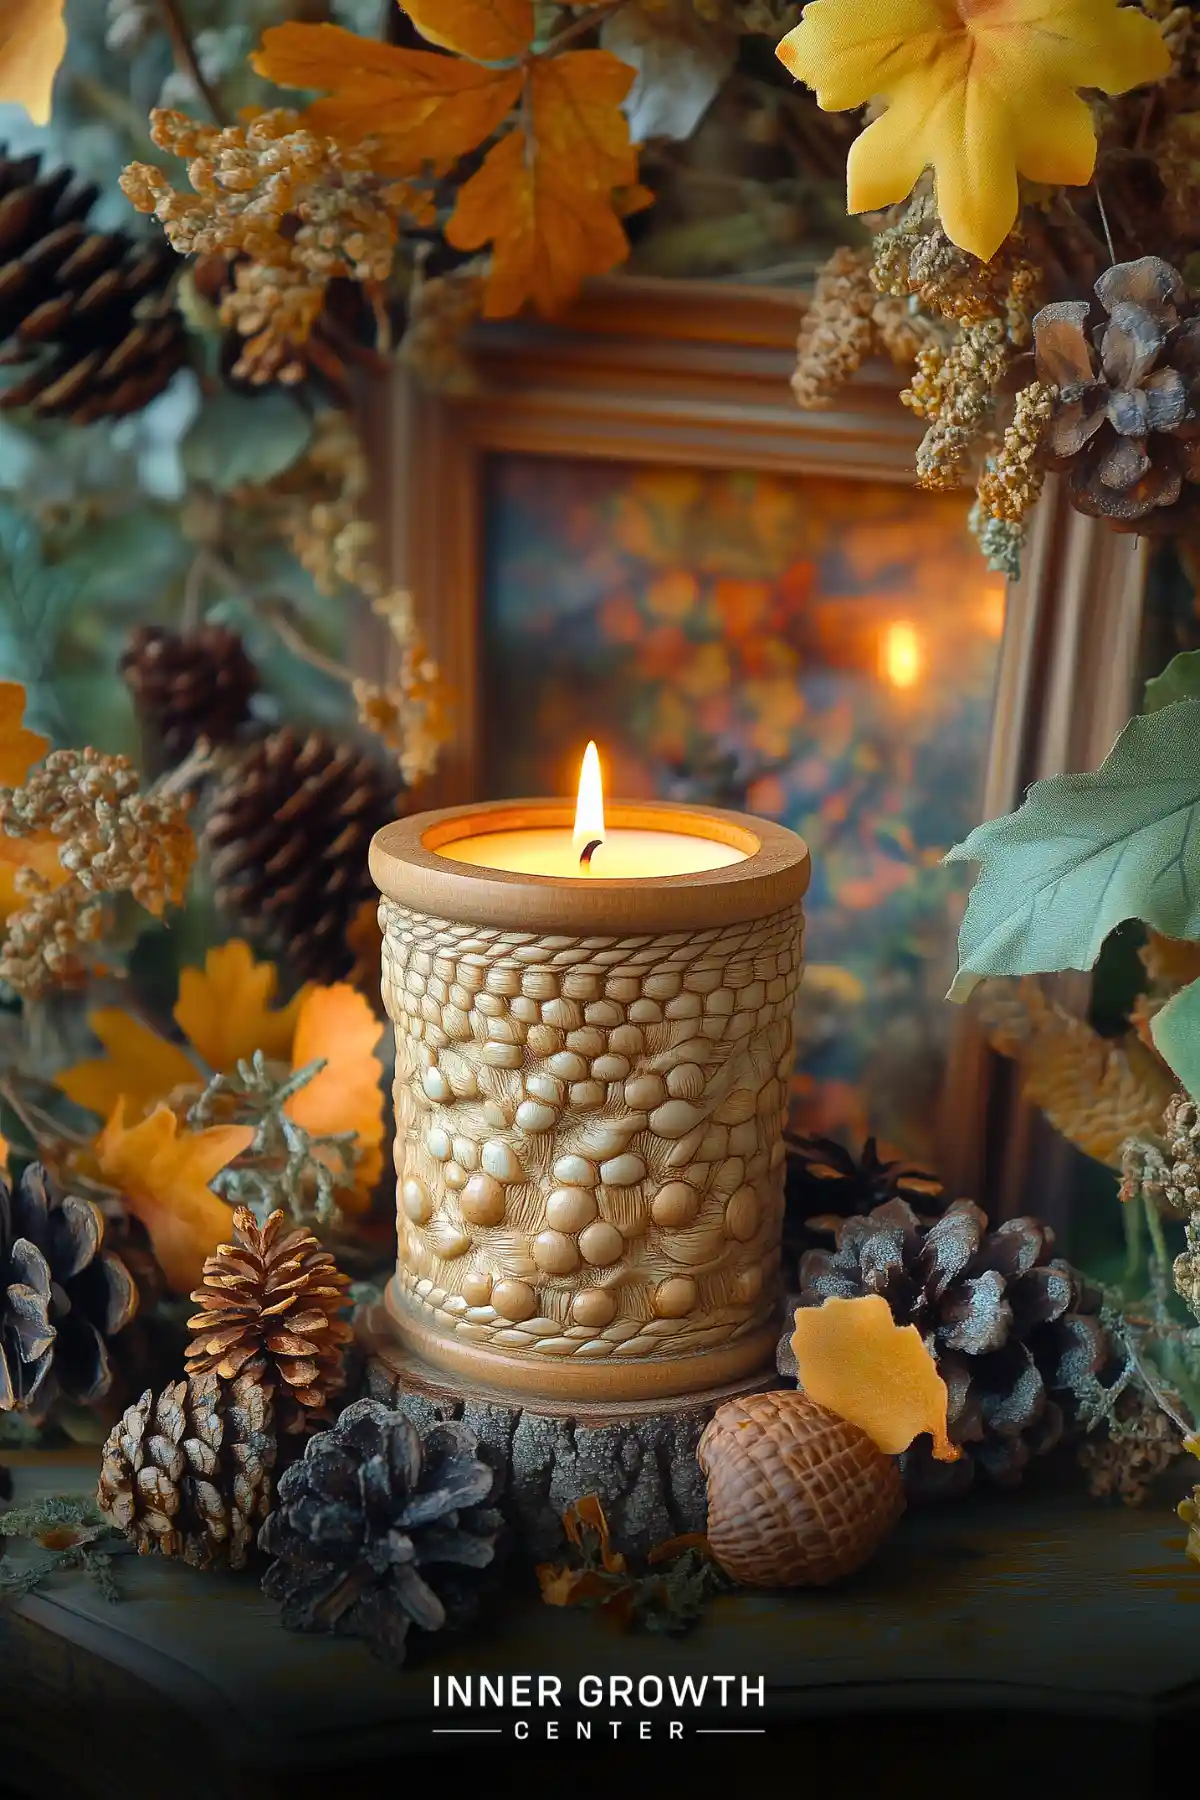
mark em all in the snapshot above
pixel 593 1010
pixel 589 849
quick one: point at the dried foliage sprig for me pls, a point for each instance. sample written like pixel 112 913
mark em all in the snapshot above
pixel 63 1532
pixel 669 1596
pixel 285 1167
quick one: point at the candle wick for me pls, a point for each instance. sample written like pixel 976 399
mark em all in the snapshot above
pixel 589 850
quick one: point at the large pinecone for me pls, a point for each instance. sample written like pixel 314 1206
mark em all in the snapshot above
pixel 1125 422
pixel 189 1474
pixel 63 1297
pixel 271 1304
pixel 189 685
pixel 1014 1330
pixel 89 312
pixel 826 1183
pixel 381 1527
pixel 288 830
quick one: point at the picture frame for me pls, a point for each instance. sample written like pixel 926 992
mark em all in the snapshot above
pixel 697 374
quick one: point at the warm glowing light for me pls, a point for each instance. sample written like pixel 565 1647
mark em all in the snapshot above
pixel 589 808
pixel 902 658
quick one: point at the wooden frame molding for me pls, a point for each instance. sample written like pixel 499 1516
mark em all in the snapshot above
pixel 698 374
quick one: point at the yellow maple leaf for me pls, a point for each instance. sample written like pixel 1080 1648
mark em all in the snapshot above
pixel 854 1360
pixel 425 109
pixel 33 41
pixel 140 1067
pixel 981 90
pixel 225 1008
pixel 163 1175
pixel 337 1024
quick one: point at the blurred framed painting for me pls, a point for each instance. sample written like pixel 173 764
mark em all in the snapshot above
pixel 629 532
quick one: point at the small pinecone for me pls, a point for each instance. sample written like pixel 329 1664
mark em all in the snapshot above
pixel 288 830
pixel 826 1183
pixel 1124 421
pixel 381 1527
pixel 271 1309
pixel 189 685
pixel 189 1474
pixel 1016 1333
pixel 89 311
pixel 63 1297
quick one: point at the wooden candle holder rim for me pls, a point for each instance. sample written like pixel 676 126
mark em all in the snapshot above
pixel 406 867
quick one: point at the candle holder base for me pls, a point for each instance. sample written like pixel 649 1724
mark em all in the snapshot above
pixel 637 1457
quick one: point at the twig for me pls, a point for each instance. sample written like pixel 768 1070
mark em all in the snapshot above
pixel 589 21
pixel 275 615
pixel 186 60
pixel 1104 221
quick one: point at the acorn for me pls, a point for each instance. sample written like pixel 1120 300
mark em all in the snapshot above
pixel 797 1497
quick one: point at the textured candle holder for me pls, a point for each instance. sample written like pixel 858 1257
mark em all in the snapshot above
pixel 590 1092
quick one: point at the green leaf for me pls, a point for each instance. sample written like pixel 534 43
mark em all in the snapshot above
pixel 1176 1033
pixel 1180 680
pixel 238 440
pixel 1084 852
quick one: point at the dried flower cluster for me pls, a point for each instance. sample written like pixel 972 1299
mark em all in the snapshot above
pixel 318 507
pixel 113 840
pixel 1013 478
pixel 296 208
pixel 410 713
pixel 1139 1445
pixel 847 322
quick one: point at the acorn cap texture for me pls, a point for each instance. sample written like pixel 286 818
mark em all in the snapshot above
pixel 797 1497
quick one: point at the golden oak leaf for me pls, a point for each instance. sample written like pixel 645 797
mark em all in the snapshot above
pixel 982 91
pixel 163 1175
pixel 336 1024
pixel 225 1008
pixel 487 30
pixel 140 1068
pixel 19 748
pixel 425 109
pixel 854 1360
pixel 33 40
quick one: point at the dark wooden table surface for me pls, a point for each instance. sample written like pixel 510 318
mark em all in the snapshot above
pixel 1035 1639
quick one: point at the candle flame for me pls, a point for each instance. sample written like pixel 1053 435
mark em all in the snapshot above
pixel 902 654
pixel 589 808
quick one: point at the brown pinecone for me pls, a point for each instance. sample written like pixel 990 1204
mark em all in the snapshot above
pixel 288 830
pixel 1015 1331
pixel 1125 423
pixel 189 1474
pixel 64 1297
pixel 189 685
pixel 271 1305
pixel 88 315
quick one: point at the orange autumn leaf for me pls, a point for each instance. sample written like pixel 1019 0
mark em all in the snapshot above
pixel 163 1175
pixel 225 1008
pixel 854 1360
pixel 545 201
pixel 33 41
pixel 547 234
pixel 487 30
pixel 19 748
pixel 139 1069
pixel 426 109
pixel 338 1025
